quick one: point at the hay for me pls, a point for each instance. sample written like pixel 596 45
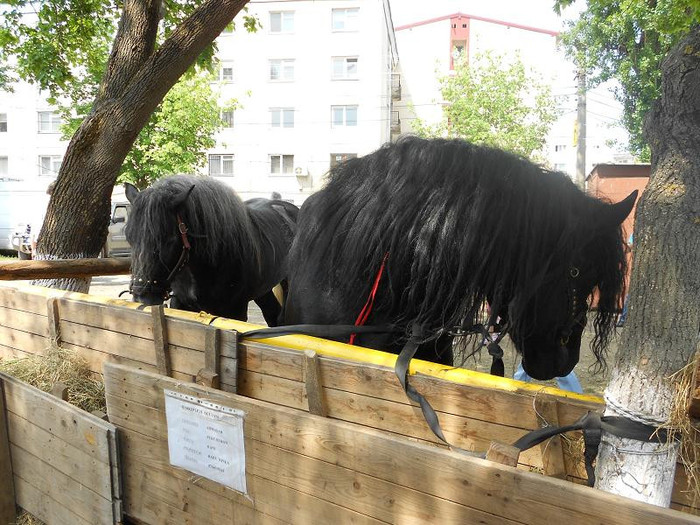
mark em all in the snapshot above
pixel 59 365
pixel 687 429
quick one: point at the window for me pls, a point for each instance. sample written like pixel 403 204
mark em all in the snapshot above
pixel 345 19
pixel 3 122
pixel 226 72
pixel 227 118
pixel 281 21
pixel 282 117
pixel 337 158
pixel 221 165
pixel 343 116
pixel 282 69
pixel 49 165
pixel 49 122
pixel 560 147
pixel 560 167
pixel 344 68
pixel 4 171
pixel 281 164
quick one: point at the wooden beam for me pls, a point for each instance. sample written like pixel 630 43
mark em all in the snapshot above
pixel 160 339
pixel 60 390
pixel 503 454
pixel 63 268
pixel 8 510
pixel 54 321
pixel 314 389
pixel 552 450
pixel 210 374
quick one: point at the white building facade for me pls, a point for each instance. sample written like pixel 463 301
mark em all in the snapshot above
pixel 314 86
pixel 428 47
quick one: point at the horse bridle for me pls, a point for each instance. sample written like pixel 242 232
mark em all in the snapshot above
pixel 163 288
pixel 572 295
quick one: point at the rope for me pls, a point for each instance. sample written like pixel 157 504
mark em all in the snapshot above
pixel 633 416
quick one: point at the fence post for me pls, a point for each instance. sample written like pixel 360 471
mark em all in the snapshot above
pixel 8 510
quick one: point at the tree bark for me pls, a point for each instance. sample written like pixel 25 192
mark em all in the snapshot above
pixel 136 80
pixel 661 332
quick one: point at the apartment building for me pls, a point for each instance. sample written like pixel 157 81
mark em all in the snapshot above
pixel 428 48
pixel 314 87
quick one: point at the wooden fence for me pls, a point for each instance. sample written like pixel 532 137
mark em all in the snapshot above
pixel 64 465
pixel 302 468
pixel 345 384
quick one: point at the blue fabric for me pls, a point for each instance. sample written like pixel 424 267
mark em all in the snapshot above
pixel 569 382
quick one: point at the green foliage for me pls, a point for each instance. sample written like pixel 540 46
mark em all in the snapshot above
pixel 626 40
pixel 63 45
pixel 496 102
pixel 177 134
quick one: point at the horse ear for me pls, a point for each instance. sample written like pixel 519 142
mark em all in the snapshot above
pixel 131 192
pixel 179 199
pixel 616 213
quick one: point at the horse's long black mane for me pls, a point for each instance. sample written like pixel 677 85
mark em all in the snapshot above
pixel 218 224
pixel 462 224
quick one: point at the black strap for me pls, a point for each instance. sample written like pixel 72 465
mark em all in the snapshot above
pixel 319 330
pixel 593 424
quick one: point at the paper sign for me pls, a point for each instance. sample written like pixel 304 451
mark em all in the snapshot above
pixel 206 439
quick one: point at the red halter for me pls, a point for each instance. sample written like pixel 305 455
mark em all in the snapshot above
pixel 367 309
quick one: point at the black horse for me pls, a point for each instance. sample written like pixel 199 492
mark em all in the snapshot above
pixel 195 237
pixel 421 233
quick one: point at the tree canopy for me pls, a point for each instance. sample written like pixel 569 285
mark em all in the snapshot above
pixel 494 100
pixel 626 40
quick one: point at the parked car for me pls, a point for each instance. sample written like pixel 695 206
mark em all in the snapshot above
pixel 116 245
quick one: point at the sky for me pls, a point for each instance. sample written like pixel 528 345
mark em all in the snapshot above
pixel 536 13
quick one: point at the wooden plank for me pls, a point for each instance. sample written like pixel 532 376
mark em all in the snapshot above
pixel 160 339
pixel 66 422
pixel 24 341
pixel 24 321
pixel 66 491
pixel 60 391
pixel 552 450
pixel 62 455
pixel 314 388
pixel 44 507
pixel 503 454
pixel 63 268
pixel 53 318
pixel 399 417
pixel 95 359
pixel 491 488
pixel 23 300
pixel 210 374
pixel 8 512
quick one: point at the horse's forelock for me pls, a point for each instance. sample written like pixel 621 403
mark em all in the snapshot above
pixel 218 226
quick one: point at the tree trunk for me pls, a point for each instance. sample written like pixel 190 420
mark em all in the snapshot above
pixel 135 82
pixel 661 332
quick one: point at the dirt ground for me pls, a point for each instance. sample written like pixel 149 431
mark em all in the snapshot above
pixel 592 383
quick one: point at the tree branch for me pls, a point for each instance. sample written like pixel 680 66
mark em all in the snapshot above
pixel 134 43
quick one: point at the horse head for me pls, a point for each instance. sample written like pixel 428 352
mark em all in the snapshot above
pixel 549 335
pixel 158 238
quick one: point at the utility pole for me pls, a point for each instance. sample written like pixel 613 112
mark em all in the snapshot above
pixel 581 126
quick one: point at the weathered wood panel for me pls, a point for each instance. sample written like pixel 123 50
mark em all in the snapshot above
pixel 102 330
pixel 64 461
pixel 343 473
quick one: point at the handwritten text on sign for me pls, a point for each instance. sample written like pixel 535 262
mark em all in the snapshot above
pixel 206 439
